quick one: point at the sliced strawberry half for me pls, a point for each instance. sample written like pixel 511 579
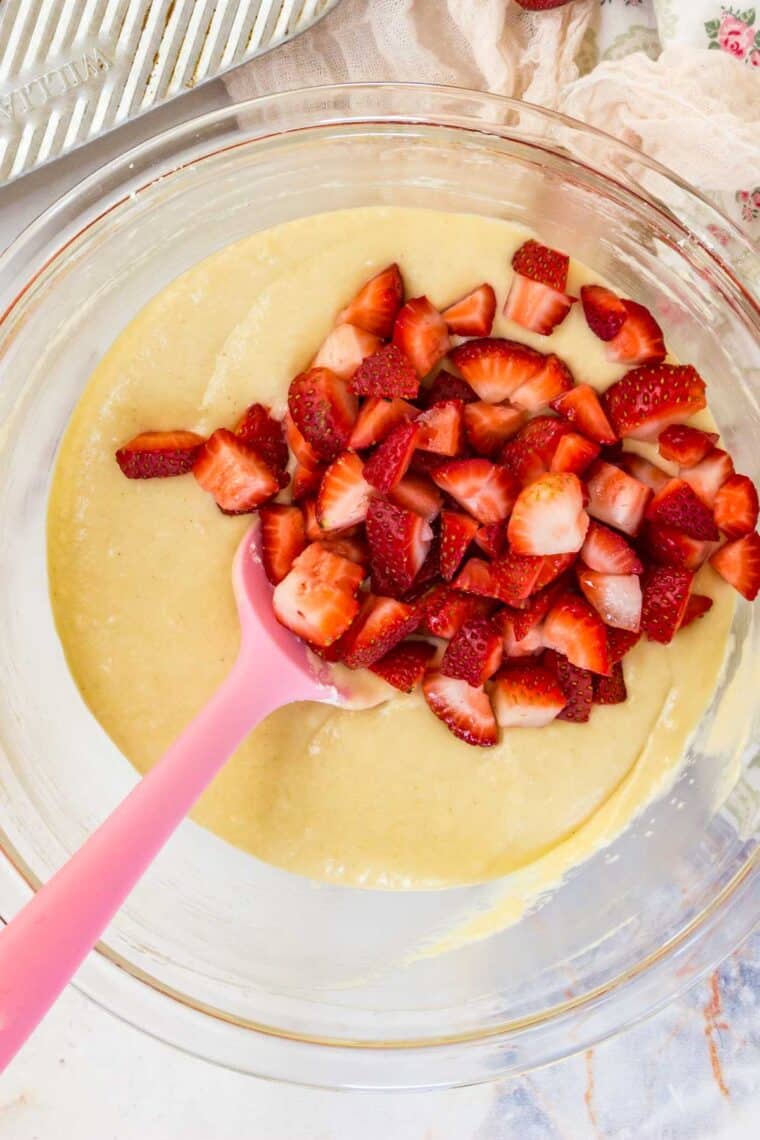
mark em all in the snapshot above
pixel 525 695
pixel 648 473
pixel 685 445
pixel 529 645
pixel 620 642
pixel 736 506
pixel 344 493
pixel 529 455
pixel 552 568
pixel 574 629
pixel 739 563
pixel 445 610
pixel 344 348
pixel 580 405
pixel 323 410
pixel 301 448
pixel 616 498
pixel 377 418
pixel 553 379
pixel 382 623
pixel 475 651
pixel 387 372
pixel 577 686
pixel 262 431
pixel 442 428
pixel 466 711
pixel 605 313
pixel 707 477
pixel 375 306
pixel 666 596
pixel 283 537
pixel 317 598
pixel 510 579
pixel 574 454
pixel 398 540
pixel 536 306
pixel 607 552
pixel 421 333
pixel 677 505
pixel 406 665
pixel 492 539
pixel 390 462
pixel 418 493
pixel 640 339
pixel 495 367
pixel 646 400
pixel 446 386
pixel 489 426
pixel 306 481
pixel 611 690
pixel 541 263
pixel 159 454
pixel 234 474
pixel 486 490
pixel 457 532
pixel 698 605
pixel 473 314
pixel 671 547
pixel 615 597
pixel 548 517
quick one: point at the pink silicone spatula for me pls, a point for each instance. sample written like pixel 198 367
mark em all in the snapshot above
pixel 46 942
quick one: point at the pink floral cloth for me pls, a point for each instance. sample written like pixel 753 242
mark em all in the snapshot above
pixel 737 33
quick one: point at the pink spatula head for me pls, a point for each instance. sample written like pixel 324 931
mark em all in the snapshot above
pixel 46 942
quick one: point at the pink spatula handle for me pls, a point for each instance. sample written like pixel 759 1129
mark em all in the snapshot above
pixel 43 946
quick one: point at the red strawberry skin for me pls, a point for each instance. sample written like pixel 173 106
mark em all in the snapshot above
pixel 388 465
pixel 375 306
pixel 382 623
pixel 234 474
pixel 406 665
pixel 739 563
pixel 685 445
pixel 421 333
pixel 604 311
pixel 445 610
pixel 446 386
pixel 649 398
pixel 489 426
pixel 472 315
pixel 529 454
pixel 697 607
pixel 159 454
pixel 398 540
pixel 676 505
pixel 620 642
pixel 260 430
pixel 377 418
pixel 666 596
pixel 573 628
pixel 457 532
pixel 474 653
pixel 324 411
pixel 736 506
pixel 582 408
pixel 671 547
pixel 577 686
pixel 611 690
pixel 387 372
pixel 510 579
pixel 283 537
pixel 541 263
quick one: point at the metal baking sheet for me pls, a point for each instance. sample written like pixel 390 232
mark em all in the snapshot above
pixel 71 70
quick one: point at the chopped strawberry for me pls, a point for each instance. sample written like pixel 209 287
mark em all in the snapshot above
pixel 620 642
pixel 666 596
pixel 263 432
pixel 442 428
pixel 676 505
pixel 344 348
pixel 406 665
pixel 390 462
pixel 472 315
pixel 306 481
pixel 421 333
pixel 457 532
pixel 314 531
pixel 553 379
pixel 577 686
pixel 615 597
pixel 647 399
pixel 377 418
pixel 616 498
pixel 573 628
pixel 529 455
pixel 605 313
pixel 536 608
pixel 388 372
pixel 417 493
pixel 707 477
pixel 510 579
pixel 548 517
pixel 648 473
pixel 492 539
pixel 580 405
pixel 428 574
pixel 698 605
pixel 323 410
pixel 553 567
pixel 739 563
pixel 427 462
pixel 475 651
pixel 736 506
pixel 541 263
pixel 317 598
pixel 574 454
pixel 398 540
pixel 535 306
pixel 525 695
pixel 607 551
pixel 495 367
pixel 301 448
pixel 489 426
pixel 685 445
pixel 466 711
pixel 375 306
pixel 530 644
pixel 640 340
pixel 283 537
pixel 446 386
pixel 382 623
pixel 445 610
pixel 484 489
pixel 353 547
pixel 344 493
pixel 671 547
pixel 159 454
pixel 611 690
pixel 234 474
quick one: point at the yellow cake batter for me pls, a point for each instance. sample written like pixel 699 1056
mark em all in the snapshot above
pixel 141 589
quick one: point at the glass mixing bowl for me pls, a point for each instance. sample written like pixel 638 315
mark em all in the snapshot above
pixel 237 961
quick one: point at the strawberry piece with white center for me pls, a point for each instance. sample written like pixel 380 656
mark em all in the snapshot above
pixel 489 426
pixel 616 498
pixel 577 686
pixel 528 645
pixel 382 623
pixel 698 606
pixel 418 493
pixel 265 434
pixel 484 489
pixel 615 597
pixel 574 629
pixel 473 314
pixel 739 563
pixel 447 386
pixel 529 455
pixel 542 263
pixel 666 592
pixel 492 539
pixel 553 379
pixel 607 552
pixel 510 579
pixel 420 332
pixel 159 454
pixel 344 493
pixel 736 506
pixel 495 367
pixel 234 474
pixel 548 517
pixel 611 690
pixel 406 665
pixel 671 547
pixel 377 418
pixel 390 462
pixel 474 653
pixel 535 306
pixel 442 428
pixel 677 505
pixel 646 400
pixel 525 695
pixel 317 598
pixel 466 711
pixel 398 540
pixel 685 445
pixel 344 348
pixel 387 372
pixel 323 410
pixel 640 339
pixel 457 532
pixel 445 610
pixel 283 537
pixel 708 476
pixel 604 311
pixel 574 454
pixel 536 608
pixel 375 306
pixel 580 405
pixel 640 468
